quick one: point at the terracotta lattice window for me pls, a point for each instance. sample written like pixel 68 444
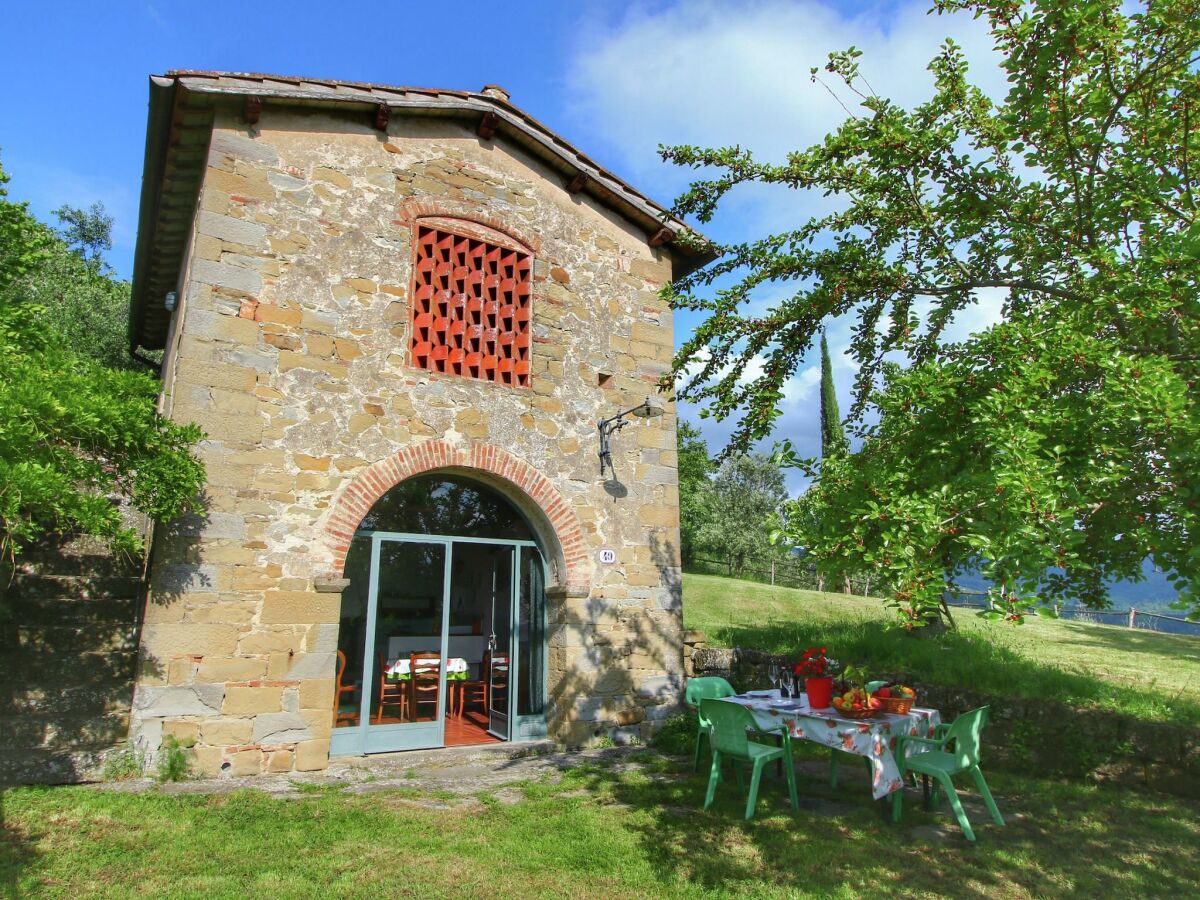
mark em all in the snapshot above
pixel 470 307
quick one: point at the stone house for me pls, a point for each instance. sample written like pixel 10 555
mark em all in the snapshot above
pixel 399 316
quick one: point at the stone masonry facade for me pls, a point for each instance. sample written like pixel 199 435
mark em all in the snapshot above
pixel 289 347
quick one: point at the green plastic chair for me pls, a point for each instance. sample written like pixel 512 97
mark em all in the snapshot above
pixel 731 726
pixel 710 687
pixel 942 763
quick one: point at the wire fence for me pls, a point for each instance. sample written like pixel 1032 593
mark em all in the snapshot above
pixel 784 572
pixel 795 573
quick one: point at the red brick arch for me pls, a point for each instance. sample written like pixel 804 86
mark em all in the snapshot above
pixel 534 493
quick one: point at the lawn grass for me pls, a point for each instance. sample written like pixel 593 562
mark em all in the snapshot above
pixel 1141 673
pixel 621 831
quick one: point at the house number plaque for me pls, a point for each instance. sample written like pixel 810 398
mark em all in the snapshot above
pixel 608 556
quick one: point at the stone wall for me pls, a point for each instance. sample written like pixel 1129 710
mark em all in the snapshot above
pixel 1022 734
pixel 290 349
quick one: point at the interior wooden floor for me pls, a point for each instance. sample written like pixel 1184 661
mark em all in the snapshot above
pixel 470 729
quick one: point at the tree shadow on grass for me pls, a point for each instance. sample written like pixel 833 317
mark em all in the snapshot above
pixel 954 658
pixel 17 854
pixel 1060 839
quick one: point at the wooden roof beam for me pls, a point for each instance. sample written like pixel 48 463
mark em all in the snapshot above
pixel 661 237
pixel 488 124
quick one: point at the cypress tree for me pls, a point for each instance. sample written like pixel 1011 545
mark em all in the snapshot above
pixel 833 438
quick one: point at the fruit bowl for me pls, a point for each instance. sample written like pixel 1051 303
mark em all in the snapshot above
pixel 896 706
pixel 896 699
pixel 845 704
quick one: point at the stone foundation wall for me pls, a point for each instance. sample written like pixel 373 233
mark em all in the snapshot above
pixel 1024 735
pixel 290 349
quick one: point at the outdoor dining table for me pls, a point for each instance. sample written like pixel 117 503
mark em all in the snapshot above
pixel 873 738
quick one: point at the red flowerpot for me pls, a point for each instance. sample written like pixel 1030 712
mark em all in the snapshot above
pixel 820 692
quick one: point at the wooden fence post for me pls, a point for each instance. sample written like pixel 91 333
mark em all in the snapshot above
pixel 1132 617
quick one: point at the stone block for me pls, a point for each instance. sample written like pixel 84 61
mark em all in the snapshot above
pixel 225 732
pixel 271 640
pixel 227 228
pixel 234 278
pixel 206 761
pixel 331 176
pixel 183 731
pixel 250 701
pixel 280 761
pixel 186 578
pixel 312 756
pixel 312 665
pixel 279 728
pixel 242 147
pixel 219 669
pixel 300 608
pixel 243 763
pixel 661 688
pixel 317 693
pixel 219 375
pixel 655 270
pixel 178 700
pixel 189 639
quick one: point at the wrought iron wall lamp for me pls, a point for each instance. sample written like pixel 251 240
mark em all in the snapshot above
pixel 644 410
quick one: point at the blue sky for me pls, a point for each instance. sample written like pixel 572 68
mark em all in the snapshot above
pixel 614 78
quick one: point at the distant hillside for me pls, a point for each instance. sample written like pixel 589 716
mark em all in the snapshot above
pixel 1154 594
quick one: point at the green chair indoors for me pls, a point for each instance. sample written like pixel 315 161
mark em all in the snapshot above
pixel 731 727
pixel 707 688
pixel 942 763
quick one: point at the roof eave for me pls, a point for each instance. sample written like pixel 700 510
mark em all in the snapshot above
pixel 166 93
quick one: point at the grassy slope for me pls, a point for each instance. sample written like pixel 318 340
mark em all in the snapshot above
pixel 629 831
pixel 1154 676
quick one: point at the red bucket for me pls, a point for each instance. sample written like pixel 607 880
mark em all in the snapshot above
pixel 820 692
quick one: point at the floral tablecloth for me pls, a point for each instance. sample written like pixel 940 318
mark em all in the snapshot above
pixel 874 738
pixel 399 669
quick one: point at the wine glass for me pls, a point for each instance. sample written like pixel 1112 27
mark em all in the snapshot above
pixel 789 681
pixel 773 674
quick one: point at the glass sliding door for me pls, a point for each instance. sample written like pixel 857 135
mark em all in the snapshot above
pixel 530 721
pixel 403 674
pixel 501 669
pixel 442 639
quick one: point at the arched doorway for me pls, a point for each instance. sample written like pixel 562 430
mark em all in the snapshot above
pixel 442 637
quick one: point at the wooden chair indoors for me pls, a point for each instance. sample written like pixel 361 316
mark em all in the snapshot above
pixel 474 690
pixel 343 717
pixel 499 667
pixel 391 693
pixel 426 669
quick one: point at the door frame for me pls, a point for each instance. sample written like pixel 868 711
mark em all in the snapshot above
pixel 366 738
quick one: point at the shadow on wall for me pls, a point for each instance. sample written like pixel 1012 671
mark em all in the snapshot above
pixel 624 668
pixel 68 654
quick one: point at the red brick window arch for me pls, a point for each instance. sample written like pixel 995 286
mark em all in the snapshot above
pixel 471 302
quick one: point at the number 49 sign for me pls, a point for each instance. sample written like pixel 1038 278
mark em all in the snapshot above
pixel 607 556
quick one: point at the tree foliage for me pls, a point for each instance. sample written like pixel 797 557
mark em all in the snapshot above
pixel 1064 435
pixel 695 488
pixel 73 432
pixel 833 433
pixel 80 297
pixel 747 495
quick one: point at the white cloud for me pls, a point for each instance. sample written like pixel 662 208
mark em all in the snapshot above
pixel 723 73
pixel 737 72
